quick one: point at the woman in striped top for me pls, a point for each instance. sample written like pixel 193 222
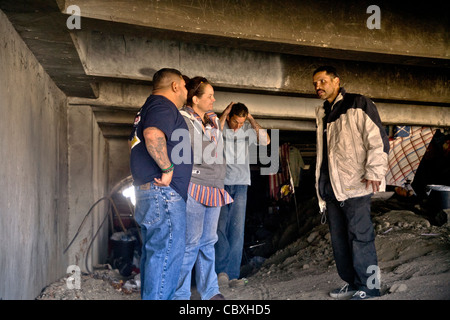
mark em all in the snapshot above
pixel 206 193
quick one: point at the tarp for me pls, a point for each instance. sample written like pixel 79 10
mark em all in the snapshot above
pixel 406 151
pixel 280 178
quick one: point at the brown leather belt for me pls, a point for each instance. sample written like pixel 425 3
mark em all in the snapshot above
pixel 145 186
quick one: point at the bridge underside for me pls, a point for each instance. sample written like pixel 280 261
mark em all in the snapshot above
pixel 261 53
pixel 69 95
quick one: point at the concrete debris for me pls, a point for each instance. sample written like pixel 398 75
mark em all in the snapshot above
pixel 102 284
pixel 398 287
pixel 413 266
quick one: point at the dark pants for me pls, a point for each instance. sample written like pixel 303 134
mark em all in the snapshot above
pixel 353 241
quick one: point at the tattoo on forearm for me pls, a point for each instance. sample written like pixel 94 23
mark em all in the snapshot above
pixel 157 148
pixel 261 134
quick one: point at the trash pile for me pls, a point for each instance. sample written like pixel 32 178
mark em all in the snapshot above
pixel 413 254
pixel 119 279
pixel 126 252
pixel 105 283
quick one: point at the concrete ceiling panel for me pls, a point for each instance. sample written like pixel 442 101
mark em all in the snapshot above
pixel 260 52
pixel 412 30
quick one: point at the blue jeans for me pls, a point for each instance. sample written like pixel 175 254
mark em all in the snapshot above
pixel 231 232
pixel 201 235
pixel 161 214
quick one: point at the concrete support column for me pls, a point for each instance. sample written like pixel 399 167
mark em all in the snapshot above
pixel 88 172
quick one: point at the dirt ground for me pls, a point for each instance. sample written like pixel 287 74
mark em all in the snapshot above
pixel 414 258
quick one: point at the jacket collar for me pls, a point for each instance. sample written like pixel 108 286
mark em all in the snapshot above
pixel 212 128
pixel 194 116
pixel 338 98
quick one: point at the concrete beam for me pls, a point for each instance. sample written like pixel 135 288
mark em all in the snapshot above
pixel 117 104
pixel 119 124
pixel 124 119
pixel 253 32
pixel 43 28
pixel 303 27
pixel 122 56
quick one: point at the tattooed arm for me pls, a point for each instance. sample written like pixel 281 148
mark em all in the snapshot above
pixel 156 144
pixel 261 134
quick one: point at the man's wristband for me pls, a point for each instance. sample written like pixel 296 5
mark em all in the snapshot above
pixel 168 169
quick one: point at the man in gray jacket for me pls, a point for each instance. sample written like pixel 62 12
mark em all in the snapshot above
pixel 352 161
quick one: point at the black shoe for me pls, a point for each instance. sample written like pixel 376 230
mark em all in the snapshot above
pixel 361 295
pixel 346 292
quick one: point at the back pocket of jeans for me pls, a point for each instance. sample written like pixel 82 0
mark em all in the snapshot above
pixel 151 206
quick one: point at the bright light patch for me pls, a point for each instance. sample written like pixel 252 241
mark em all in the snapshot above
pixel 129 193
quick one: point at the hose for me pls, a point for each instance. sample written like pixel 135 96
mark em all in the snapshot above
pixel 111 204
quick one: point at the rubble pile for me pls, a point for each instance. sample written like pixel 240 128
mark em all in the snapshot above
pixel 103 284
pixel 414 258
pixel 413 255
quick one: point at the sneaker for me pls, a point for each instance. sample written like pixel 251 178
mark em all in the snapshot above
pixel 218 296
pixel 238 283
pixel 222 279
pixel 346 292
pixel 361 295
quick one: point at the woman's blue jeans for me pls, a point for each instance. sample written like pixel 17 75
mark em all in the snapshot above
pixel 201 235
pixel 231 232
pixel 161 214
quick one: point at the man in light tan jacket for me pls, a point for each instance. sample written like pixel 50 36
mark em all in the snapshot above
pixel 352 161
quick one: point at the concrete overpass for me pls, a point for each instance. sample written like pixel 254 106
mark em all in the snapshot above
pixel 70 86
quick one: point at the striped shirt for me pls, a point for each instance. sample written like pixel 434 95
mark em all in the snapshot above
pixel 209 196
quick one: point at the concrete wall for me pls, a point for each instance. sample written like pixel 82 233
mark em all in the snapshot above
pixel 119 161
pixel 54 168
pixel 33 172
pixel 88 179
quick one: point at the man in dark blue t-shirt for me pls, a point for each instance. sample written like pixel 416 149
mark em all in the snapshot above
pixel 161 166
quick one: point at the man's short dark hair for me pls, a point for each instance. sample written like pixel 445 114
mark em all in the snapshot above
pixel 238 109
pixel 159 76
pixel 330 70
